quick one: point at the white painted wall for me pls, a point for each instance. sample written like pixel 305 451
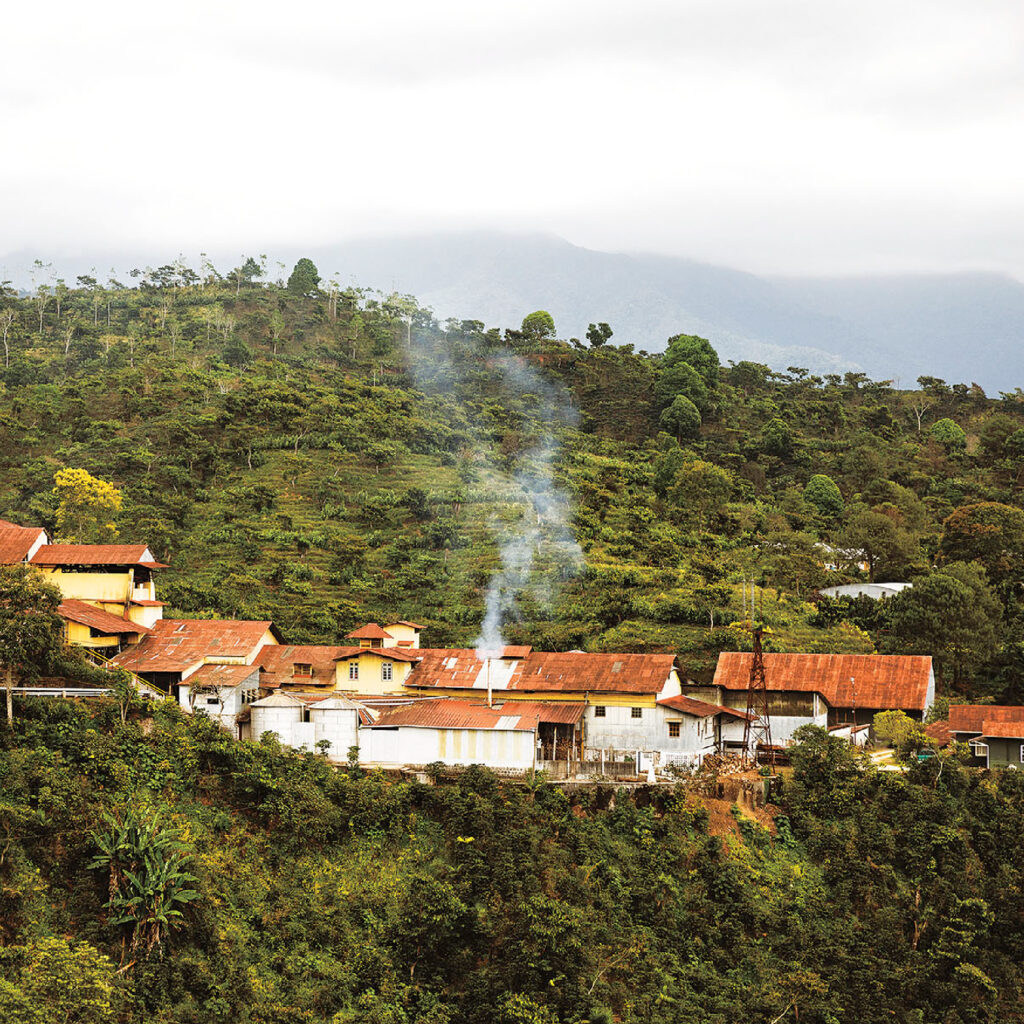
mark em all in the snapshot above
pixel 338 726
pixel 617 729
pixel 283 721
pixel 496 748
pixel 618 733
pixel 223 707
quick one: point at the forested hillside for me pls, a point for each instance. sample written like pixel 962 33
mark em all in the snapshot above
pixel 158 871
pixel 323 456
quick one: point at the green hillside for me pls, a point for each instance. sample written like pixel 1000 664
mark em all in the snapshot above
pixel 158 871
pixel 322 457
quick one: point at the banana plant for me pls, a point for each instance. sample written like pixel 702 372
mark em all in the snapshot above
pixel 149 883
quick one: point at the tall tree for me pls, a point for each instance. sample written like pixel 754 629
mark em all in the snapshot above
pixel 953 614
pixel 698 352
pixel 30 628
pixel 305 278
pixel 539 325
pixel 988 532
pixel 86 507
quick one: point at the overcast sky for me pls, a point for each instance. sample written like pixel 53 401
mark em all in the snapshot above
pixel 817 136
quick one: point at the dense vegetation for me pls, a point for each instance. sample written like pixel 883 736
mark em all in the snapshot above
pixel 159 871
pixel 322 456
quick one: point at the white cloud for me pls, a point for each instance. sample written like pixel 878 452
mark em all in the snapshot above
pixel 786 135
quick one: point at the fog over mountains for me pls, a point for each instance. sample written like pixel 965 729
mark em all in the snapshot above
pixel 966 327
pixel 962 327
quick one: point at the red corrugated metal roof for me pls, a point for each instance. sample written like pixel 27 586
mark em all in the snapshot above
pixel 880 681
pixel 938 733
pixel 278 664
pixel 579 672
pixel 972 717
pixel 221 675
pixel 96 554
pixel 388 653
pixel 16 542
pixel 98 619
pixel 560 712
pixel 456 714
pixel 177 644
pixel 371 631
pixel 545 671
pixel 514 651
pixel 1003 730
pixel 700 708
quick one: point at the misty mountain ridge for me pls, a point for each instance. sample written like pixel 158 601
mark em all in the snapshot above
pixel 963 327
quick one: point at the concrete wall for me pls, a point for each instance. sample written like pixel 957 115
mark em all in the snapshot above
pixel 404 635
pixel 371 679
pixel 496 748
pixel 92 586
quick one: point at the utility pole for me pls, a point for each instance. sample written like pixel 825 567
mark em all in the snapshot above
pixel 757 730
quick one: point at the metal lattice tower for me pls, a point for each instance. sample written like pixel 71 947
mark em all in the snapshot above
pixel 757 730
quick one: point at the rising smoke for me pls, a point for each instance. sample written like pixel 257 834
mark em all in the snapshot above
pixel 537 548
pixel 541 543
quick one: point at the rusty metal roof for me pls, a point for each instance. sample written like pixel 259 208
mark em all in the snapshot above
pixel 514 651
pixel 579 672
pixel 277 664
pixel 175 645
pixel 16 542
pixel 389 653
pixel 371 631
pixel 700 708
pixel 221 675
pixel 879 681
pixel 456 714
pixel 544 671
pixel 558 712
pixel 1003 730
pixel 974 717
pixel 938 733
pixel 96 554
pixel 99 620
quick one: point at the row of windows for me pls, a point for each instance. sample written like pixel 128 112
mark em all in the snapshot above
pixel 673 727
pixel 387 670
pixel 599 712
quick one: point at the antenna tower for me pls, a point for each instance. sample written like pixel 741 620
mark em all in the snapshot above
pixel 757 730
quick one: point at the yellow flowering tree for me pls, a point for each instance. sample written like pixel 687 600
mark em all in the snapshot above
pixel 86 507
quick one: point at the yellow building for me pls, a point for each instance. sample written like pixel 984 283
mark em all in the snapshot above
pixel 116 578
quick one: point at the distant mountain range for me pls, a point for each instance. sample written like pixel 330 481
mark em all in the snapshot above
pixel 966 327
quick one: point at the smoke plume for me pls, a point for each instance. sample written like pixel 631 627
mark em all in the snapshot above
pixel 537 548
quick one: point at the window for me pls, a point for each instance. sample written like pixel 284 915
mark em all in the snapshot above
pixel 599 711
pixel 636 713
pixel 213 700
pixel 302 669
pixel 353 670
pixel 673 728
pixel 386 671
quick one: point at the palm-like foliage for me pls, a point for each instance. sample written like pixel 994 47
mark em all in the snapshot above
pixel 149 882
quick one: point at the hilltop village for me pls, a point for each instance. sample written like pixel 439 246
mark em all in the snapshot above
pixel 387 699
